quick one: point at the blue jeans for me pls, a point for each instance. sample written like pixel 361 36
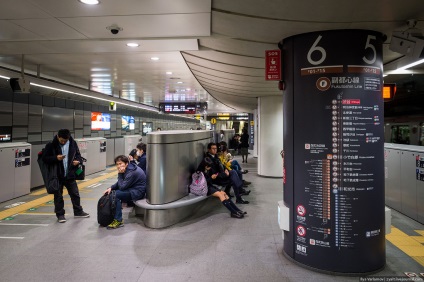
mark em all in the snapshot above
pixel 121 196
pixel 236 182
pixel 235 165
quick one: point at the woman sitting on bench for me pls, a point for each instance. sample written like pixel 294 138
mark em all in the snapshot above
pixel 205 167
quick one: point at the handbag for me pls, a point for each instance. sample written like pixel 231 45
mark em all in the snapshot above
pixel 199 185
pixel 80 172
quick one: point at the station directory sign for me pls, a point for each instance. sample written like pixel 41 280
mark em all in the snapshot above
pixel 188 108
pixel 336 169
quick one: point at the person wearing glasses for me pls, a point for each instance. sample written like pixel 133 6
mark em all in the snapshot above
pixel 224 176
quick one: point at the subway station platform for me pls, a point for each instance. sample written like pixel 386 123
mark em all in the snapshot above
pixel 208 246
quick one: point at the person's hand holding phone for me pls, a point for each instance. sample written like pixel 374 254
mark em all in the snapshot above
pixel 60 157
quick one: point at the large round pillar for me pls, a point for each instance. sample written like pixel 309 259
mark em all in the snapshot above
pixel 270 136
pixel 333 143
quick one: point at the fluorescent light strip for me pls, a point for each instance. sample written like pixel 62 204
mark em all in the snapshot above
pixel 92 97
pixel 5 77
pixel 411 65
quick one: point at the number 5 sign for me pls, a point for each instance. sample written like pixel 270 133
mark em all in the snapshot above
pixel 273 65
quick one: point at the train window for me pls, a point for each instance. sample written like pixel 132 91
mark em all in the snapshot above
pixel 400 134
pixel 421 141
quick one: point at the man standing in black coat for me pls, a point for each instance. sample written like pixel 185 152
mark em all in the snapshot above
pixel 64 151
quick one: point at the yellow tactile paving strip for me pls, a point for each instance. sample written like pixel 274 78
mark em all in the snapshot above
pixel 410 245
pixel 48 197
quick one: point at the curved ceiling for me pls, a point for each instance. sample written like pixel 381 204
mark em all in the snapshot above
pixel 214 49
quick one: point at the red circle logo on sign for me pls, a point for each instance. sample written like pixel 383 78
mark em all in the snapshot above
pixel 301 210
pixel 301 231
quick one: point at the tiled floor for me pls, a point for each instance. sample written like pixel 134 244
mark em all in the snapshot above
pixel 209 246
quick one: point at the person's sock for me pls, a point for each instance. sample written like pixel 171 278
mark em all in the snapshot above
pixel 234 206
pixel 227 204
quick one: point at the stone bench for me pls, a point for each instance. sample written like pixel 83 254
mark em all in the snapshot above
pixel 164 215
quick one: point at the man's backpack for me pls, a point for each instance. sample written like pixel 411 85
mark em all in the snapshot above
pixel 106 209
pixel 199 185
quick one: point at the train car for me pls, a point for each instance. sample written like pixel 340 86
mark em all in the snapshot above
pixel 404 130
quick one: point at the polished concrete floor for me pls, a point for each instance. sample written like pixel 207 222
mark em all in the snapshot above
pixel 208 246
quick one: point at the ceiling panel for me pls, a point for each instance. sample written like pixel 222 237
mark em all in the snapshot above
pixel 225 58
pixel 324 10
pixel 51 29
pixel 222 43
pixel 66 47
pixel 11 31
pixel 21 9
pixel 143 26
pixel 123 8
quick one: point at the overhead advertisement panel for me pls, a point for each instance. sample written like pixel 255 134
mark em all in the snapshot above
pixel 336 152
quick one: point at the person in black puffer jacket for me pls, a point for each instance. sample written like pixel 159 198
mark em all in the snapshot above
pixel 131 186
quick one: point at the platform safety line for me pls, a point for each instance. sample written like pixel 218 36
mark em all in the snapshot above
pixel 407 244
pixel 40 213
pixel 49 197
pixel 23 224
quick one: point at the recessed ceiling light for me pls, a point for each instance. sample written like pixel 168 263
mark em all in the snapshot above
pixel 179 82
pixel 90 2
pixel 169 72
pixel 154 58
pixel 132 44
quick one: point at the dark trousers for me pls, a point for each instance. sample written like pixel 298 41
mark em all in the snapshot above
pixel 121 196
pixel 72 187
pixel 236 182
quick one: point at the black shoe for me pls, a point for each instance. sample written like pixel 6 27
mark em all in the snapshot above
pixel 241 201
pixel 242 212
pixel 246 182
pixel 244 171
pixel 245 185
pixel 237 215
pixel 81 214
pixel 61 219
pixel 245 192
pixel 130 204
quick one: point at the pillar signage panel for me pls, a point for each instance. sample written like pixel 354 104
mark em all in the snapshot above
pixel 272 65
pixel 338 160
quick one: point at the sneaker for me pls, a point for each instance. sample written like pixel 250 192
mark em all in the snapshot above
pixel 81 214
pixel 115 224
pixel 61 219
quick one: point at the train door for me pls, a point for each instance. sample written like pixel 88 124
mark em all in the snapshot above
pixel 400 134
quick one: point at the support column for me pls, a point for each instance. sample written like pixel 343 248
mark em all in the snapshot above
pixel 334 156
pixel 270 136
pixel 255 142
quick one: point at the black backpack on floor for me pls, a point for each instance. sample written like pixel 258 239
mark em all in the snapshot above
pixel 106 209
